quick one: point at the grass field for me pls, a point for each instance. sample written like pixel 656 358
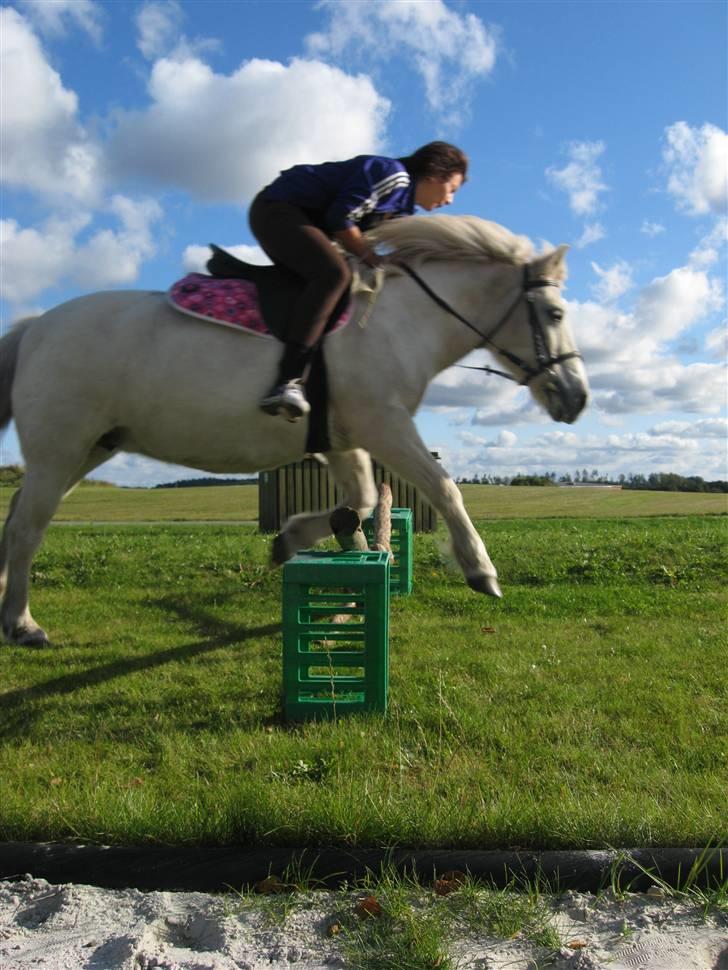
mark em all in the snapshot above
pixel 587 708
pixel 240 503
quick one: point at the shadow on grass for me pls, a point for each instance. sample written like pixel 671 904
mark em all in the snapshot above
pixel 17 705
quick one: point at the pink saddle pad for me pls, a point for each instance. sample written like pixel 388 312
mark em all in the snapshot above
pixel 233 303
pixel 230 302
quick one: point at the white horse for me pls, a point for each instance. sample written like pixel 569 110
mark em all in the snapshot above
pixel 124 371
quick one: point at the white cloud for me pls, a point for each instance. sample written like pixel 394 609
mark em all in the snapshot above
pixel 707 428
pixel 627 354
pixel 671 304
pixel 667 386
pixel 34 259
pixel 613 282
pixel 113 257
pixel 506 439
pixel 194 258
pixel 523 410
pixel 260 119
pixel 651 228
pixel 45 149
pixel 593 232
pixel 716 342
pixel 685 448
pixel 52 16
pixel 450 51
pixel 581 178
pixel 159 26
pixel 696 160
pixel 709 248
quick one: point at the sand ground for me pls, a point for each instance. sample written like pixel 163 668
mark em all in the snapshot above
pixel 76 927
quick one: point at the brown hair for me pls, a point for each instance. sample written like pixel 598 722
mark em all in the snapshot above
pixel 437 159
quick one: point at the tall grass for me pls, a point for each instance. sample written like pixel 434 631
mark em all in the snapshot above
pixel 587 708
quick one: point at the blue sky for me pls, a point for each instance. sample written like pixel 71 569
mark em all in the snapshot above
pixel 134 133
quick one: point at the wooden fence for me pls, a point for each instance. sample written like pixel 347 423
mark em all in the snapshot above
pixel 306 486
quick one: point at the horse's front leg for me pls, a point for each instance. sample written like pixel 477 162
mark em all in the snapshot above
pixel 352 472
pixel 399 448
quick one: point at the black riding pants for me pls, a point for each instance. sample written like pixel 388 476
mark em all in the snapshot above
pixel 291 239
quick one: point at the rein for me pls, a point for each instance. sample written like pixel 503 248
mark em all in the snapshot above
pixel 544 357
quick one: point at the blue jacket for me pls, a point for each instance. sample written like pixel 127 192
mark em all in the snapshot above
pixel 339 195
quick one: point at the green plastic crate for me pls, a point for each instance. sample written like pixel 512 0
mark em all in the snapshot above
pixel 331 669
pixel 400 576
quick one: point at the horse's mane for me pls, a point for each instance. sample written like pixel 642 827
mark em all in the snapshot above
pixel 452 237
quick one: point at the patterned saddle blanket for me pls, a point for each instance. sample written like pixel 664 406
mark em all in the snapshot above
pixel 254 299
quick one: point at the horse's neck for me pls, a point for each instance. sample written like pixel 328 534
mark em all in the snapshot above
pixel 477 291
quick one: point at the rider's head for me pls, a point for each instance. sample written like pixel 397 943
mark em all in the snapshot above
pixel 438 169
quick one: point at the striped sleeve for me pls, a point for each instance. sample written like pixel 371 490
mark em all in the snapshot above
pixel 377 181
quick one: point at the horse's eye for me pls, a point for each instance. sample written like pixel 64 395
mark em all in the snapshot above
pixel 556 314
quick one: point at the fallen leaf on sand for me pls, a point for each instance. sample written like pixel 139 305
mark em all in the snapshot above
pixel 449 882
pixel 272 885
pixel 368 907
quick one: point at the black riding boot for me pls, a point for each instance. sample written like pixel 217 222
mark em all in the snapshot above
pixel 286 396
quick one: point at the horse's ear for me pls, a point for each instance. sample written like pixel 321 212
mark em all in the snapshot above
pixel 551 265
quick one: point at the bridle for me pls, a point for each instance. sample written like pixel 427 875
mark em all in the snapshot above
pixel 545 360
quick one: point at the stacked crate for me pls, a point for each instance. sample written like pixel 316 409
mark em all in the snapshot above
pixel 332 667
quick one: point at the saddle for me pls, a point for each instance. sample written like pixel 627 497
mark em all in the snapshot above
pixel 278 289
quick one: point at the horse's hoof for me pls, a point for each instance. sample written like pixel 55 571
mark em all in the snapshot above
pixel 485 584
pixel 281 550
pixel 28 638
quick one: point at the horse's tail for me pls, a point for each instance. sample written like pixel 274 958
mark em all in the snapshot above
pixel 9 346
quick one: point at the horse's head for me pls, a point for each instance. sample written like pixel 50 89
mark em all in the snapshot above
pixel 535 342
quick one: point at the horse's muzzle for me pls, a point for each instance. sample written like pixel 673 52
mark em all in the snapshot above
pixel 564 403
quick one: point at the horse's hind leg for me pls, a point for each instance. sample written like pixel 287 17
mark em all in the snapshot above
pixel 31 510
pixel 25 527
pixel 4 546
pixel 14 532
pixel 352 471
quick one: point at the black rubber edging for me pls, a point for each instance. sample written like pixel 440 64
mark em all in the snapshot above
pixel 221 869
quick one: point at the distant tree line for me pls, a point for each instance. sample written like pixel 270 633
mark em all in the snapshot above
pixel 670 482
pixel 11 476
pixel 655 482
pixel 205 482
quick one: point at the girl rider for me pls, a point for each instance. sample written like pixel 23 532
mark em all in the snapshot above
pixel 295 218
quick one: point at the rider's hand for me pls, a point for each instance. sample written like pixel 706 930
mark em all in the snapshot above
pixel 373 259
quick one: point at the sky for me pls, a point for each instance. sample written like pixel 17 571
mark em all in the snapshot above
pixel 134 133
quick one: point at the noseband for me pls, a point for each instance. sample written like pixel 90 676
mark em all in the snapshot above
pixel 545 360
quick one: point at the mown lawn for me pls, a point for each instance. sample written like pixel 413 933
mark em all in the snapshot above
pixel 587 708
pixel 239 503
